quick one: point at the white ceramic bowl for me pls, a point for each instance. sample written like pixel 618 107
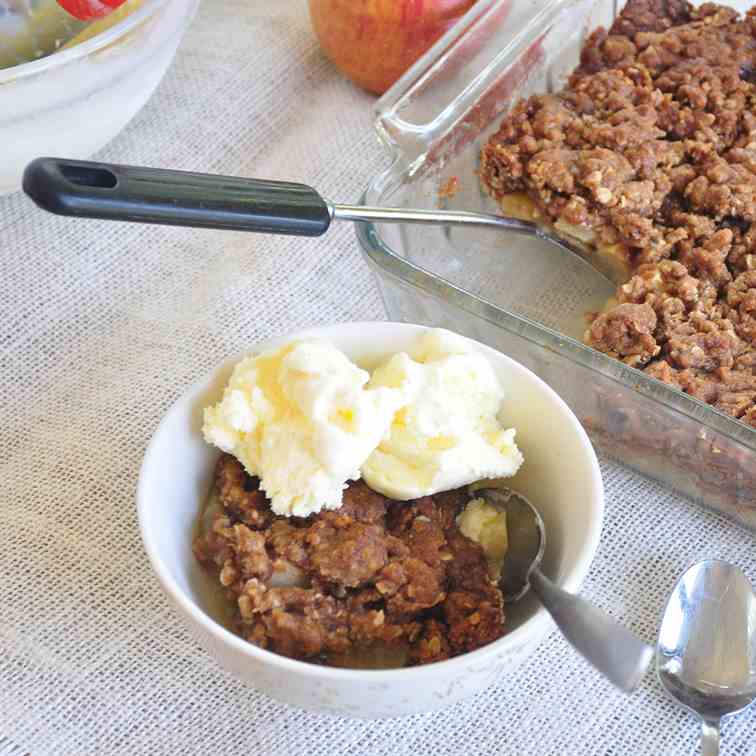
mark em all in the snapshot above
pixel 72 103
pixel 560 473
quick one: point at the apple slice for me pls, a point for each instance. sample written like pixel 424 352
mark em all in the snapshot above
pixel 99 25
pixel 86 10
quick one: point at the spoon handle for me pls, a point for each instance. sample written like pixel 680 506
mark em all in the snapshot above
pixel 84 189
pixel 106 191
pixel 613 650
pixel 710 737
pixel 362 213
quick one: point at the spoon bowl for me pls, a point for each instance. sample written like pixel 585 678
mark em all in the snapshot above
pixel 613 650
pixel 706 652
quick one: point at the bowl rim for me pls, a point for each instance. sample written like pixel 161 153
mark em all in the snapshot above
pixel 104 38
pixel 534 627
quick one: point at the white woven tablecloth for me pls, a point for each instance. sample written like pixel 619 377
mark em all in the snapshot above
pixel 103 325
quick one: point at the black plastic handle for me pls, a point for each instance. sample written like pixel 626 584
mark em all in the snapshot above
pixel 84 189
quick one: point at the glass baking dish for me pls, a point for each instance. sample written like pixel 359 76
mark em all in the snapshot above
pixel 525 297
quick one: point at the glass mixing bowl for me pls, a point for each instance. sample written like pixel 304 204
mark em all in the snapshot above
pixel 75 101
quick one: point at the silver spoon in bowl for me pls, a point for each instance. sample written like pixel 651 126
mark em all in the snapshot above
pixel 106 191
pixel 706 652
pixel 613 650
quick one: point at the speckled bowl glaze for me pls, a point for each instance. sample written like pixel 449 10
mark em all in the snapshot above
pixel 560 473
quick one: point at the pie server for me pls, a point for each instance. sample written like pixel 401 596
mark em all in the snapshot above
pixel 84 189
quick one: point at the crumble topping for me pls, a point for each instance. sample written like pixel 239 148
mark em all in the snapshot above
pixel 651 147
pixel 371 576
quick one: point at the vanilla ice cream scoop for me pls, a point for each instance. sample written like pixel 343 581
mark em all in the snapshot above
pixel 450 433
pixel 302 419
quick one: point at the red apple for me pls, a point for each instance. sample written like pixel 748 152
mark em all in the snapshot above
pixel 375 41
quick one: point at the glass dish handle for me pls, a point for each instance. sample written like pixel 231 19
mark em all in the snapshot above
pixel 472 74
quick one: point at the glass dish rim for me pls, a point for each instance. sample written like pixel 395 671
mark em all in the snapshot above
pixel 60 58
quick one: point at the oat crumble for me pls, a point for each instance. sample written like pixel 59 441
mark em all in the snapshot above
pixel 373 576
pixel 650 152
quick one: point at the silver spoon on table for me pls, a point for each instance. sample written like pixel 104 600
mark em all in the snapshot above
pixel 85 189
pixel 706 652
pixel 617 653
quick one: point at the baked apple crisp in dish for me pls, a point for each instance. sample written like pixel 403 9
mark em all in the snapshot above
pixel 342 527
pixel 647 158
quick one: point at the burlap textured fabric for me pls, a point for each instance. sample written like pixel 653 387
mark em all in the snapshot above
pixel 102 325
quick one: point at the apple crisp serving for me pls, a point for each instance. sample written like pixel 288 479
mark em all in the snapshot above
pixel 648 157
pixel 375 583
